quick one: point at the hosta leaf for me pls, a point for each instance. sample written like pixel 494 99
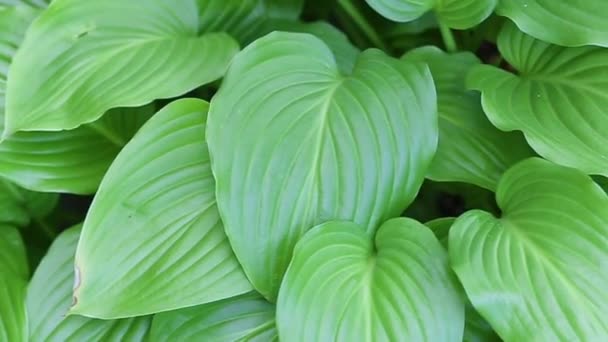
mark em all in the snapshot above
pixel 342 285
pixel 159 198
pixel 91 56
pixel 441 228
pixel 314 144
pixel 50 295
pixel 32 3
pixel 470 149
pixel 538 272
pixel 13 282
pixel 18 206
pixel 569 23
pixel 459 14
pixel 247 317
pixel 557 99
pixel 63 161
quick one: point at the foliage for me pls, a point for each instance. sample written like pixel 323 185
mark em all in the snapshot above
pixel 303 170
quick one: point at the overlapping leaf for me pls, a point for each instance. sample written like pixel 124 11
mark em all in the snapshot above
pixel 13 282
pixel 558 98
pixel 567 23
pixel 314 144
pixel 458 14
pixel 342 285
pixel 538 272
pixel 50 296
pixel 247 317
pixel 31 3
pixel 158 198
pixel 18 206
pixel 470 149
pixel 91 56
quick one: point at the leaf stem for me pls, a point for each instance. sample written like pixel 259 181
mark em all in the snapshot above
pixel 363 24
pixel 448 38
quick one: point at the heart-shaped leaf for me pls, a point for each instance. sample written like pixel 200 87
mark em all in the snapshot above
pixel 458 14
pixel 314 144
pixel 248 317
pixel 343 285
pixel 470 149
pixel 49 297
pixel 13 282
pixel 159 198
pixel 558 98
pixel 91 56
pixel 538 272
pixel 568 23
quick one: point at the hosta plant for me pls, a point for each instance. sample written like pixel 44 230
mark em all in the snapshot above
pixel 303 170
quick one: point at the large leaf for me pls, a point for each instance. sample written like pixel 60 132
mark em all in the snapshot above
pixel 247 317
pixel 538 272
pixel 558 98
pixel 314 144
pixel 470 149
pixel 72 161
pixel 568 23
pixel 13 282
pixel 459 14
pixel 343 285
pixel 50 296
pixel 14 3
pixel 158 197
pixel 91 56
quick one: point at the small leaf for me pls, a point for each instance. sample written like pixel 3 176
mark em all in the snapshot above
pixel 458 14
pixel 538 272
pixel 91 56
pixel 568 23
pixel 50 295
pixel 470 149
pixel 18 206
pixel 557 99
pixel 29 3
pixel 314 144
pixel 342 285
pixel 13 282
pixel 159 198
pixel 248 317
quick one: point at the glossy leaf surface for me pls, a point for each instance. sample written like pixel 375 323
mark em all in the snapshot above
pixel 13 282
pixel 91 56
pixel 247 317
pixel 314 144
pixel 557 98
pixel 470 149
pixel 50 296
pixel 343 285
pixel 159 198
pixel 537 273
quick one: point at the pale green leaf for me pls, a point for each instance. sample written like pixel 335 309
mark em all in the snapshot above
pixel 91 56
pixel 441 228
pixel 568 23
pixel 49 297
pixel 458 14
pixel 538 273
pixel 314 144
pixel 343 285
pixel 247 317
pixel 158 200
pixel 31 3
pixel 470 149
pixel 557 98
pixel 13 281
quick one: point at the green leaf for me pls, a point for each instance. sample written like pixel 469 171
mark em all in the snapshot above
pixel 567 23
pixel 159 198
pixel 13 282
pixel 15 3
pixel 441 228
pixel 50 295
pixel 248 317
pixel 18 206
pixel 470 149
pixel 314 144
pixel 62 161
pixel 458 14
pixel 343 285
pixel 91 56
pixel 537 273
pixel 557 99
